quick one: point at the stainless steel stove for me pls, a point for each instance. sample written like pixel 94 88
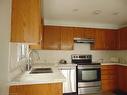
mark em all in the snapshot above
pixel 88 74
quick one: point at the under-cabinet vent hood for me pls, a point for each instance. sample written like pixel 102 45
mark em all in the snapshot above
pixel 84 40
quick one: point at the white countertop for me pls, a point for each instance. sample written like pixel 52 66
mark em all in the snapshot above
pixel 109 63
pixel 43 78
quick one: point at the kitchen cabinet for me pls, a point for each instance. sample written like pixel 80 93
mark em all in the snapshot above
pixel 61 38
pixel 84 33
pixel 37 89
pixel 78 32
pixel 122 78
pixel 99 40
pixel 26 21
pixel 89 33
pixel 56 38
pixel 52 38
pixel 67 38
pixel 122 39
pixel 110 40
pixel 109 78
pixel 39 46
pixel 105 39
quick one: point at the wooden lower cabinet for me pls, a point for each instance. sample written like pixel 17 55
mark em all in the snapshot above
pixel 109 78
pixel 122 78
pixel 114 78
pixel 36 89
pixel 108 85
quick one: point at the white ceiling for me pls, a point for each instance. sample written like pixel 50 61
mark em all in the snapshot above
pixel 112 13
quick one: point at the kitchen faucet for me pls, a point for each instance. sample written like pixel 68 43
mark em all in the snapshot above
pixel 31 59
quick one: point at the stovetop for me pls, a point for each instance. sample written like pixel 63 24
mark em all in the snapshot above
pixel 82 59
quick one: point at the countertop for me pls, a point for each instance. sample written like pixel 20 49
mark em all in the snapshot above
pixel 27 79
pixel 109 63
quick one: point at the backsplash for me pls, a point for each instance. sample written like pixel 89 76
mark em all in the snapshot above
pixel 53 56
pixel 122 54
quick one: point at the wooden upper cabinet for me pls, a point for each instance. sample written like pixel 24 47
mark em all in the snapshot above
pixel 84 33
pixel 26 21
pixel 78 32
pixel 89 33
pixel 105 39
pixel 67 38
pixel 99 40
pixel 52 37
pixel 39 46
pixel 110 39
pixel 122 38
pixel 36 47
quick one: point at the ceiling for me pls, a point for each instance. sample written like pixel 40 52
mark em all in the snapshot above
pixel 86 13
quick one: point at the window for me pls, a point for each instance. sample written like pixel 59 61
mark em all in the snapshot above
pixel 22 51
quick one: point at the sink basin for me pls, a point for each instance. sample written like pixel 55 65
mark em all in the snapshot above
pixel 41 70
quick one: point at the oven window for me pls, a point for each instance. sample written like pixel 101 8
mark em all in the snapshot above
pixel 89 75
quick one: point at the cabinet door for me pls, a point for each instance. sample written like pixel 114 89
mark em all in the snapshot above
pixel 67 38
pixel 122 78
pixel 110 39
pixel 126 79
pixel 36 89
pixel 26 21
pixel 108 85
pixel 109 78
pixel 36 47
pixel 52 37
pixel 99 40
pixel 39 46
pixel 89 33
pixel 122 38
pixel 78 32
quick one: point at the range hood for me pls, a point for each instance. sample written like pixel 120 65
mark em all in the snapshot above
pixel 84 40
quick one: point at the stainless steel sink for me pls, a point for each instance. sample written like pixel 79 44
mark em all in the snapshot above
pixel 41 70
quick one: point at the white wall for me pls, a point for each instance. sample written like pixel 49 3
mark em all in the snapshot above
pixel 5 13
pixel 51 56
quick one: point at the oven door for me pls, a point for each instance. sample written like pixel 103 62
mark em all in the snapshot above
pixel 89 73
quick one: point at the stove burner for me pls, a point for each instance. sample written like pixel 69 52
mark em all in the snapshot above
pixel 81 59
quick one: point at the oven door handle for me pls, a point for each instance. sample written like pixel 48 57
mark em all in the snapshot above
pixel 88 67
